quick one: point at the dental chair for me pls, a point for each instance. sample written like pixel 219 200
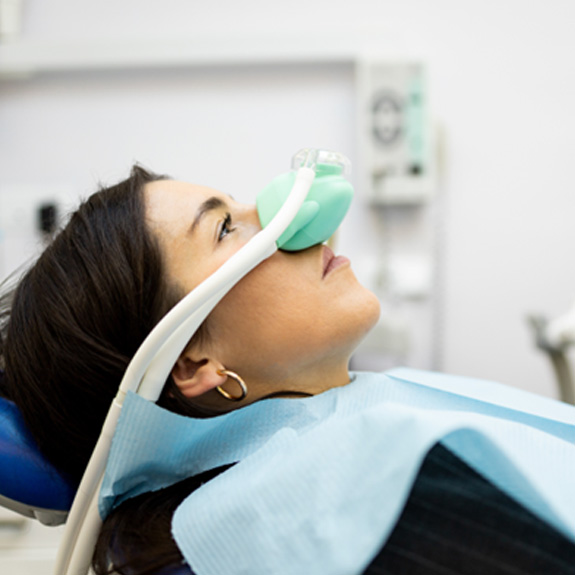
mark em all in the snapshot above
pixel 29 485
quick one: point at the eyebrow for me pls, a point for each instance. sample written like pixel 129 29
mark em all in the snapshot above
pixel 209 205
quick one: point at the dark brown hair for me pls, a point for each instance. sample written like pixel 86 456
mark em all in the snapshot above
pixel 136 537
pixel 76 318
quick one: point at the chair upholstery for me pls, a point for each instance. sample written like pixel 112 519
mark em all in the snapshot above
pixel 29 484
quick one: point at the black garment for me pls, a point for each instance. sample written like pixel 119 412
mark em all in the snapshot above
pixel 456 522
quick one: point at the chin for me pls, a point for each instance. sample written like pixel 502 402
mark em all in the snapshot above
pixel 372 312
pixel 366 312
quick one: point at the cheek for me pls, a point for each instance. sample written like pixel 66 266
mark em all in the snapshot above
pixel 264 309
pixel 289 316
pixel 266 315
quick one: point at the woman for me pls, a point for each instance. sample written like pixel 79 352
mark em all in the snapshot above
pixel 128 255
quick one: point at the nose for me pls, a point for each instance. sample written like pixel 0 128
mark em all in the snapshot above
pixel 254 216
pixel 247 218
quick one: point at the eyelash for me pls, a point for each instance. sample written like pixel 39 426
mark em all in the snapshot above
pixel 225 229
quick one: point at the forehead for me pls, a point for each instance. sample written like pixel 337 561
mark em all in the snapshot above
pixel 172 201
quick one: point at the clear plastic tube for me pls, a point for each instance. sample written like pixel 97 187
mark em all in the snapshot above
pixel 310 158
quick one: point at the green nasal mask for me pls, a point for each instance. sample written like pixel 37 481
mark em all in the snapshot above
pixel 321 213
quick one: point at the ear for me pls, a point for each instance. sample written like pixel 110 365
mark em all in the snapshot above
pixel 194 378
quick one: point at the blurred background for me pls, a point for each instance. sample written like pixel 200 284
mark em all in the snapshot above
pixel 456 116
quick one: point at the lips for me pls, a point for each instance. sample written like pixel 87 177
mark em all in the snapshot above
pixel 331 261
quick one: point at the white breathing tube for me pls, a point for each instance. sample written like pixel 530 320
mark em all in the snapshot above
pixel 150 366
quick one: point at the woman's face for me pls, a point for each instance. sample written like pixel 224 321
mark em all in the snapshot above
pixel 291 324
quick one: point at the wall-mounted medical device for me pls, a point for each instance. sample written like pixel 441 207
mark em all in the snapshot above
pixel 29 215
pixel 397 180
pixel 395 134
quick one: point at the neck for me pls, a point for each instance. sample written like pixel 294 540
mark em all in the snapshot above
pixel 311 381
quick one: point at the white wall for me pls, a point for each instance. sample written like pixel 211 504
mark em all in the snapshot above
pixel 502 82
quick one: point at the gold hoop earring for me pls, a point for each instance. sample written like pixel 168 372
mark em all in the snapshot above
pixel 237 379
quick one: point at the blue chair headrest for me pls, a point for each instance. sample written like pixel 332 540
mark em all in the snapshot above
pixel 28 483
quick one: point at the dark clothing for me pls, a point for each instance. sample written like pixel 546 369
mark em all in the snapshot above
pixel 457 523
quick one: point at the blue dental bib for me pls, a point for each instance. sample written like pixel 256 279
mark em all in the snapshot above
pixel 321 481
